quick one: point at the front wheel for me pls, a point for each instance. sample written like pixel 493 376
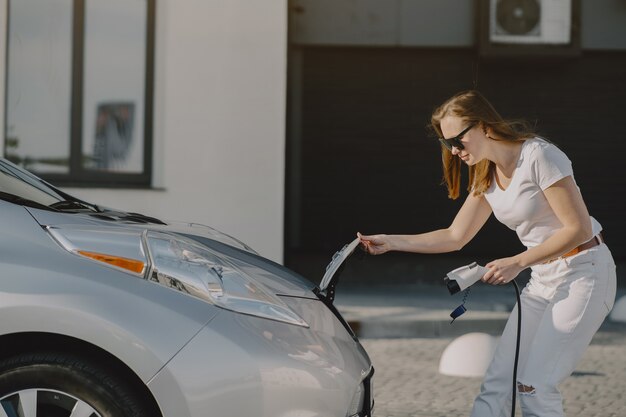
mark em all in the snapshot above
pixel 61 385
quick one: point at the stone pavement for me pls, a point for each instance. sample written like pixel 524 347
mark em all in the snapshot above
pixel 407 382
pixel 405 329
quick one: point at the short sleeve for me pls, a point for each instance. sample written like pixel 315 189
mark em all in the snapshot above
pixel 549 164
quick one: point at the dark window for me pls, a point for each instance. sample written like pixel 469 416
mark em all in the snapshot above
pixel 79 90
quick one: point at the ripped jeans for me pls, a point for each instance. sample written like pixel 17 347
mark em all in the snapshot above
pixel 563 305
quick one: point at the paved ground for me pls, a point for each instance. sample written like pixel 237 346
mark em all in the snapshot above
pixel 406 329
pixel 407 382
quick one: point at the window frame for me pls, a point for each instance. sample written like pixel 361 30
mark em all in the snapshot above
pixel 78 176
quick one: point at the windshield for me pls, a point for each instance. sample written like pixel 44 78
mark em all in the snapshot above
pixel 17 182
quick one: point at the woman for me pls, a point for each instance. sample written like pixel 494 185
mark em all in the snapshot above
pixel 528 184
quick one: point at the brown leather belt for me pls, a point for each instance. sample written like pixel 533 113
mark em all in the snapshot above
pixel 594 241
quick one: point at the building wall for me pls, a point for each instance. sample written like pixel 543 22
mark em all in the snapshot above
pixel 603 24
pixel 429 23
pixel 383 23
pixel 219 117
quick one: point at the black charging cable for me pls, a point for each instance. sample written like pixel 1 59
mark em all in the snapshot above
pixel 461 309
pixel 519 333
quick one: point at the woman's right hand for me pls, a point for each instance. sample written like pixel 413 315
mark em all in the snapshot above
pixel 375 244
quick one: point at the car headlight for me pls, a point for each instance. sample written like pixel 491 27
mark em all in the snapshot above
pixel 177 263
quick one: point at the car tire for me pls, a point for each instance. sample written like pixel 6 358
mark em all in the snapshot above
pixel 54 384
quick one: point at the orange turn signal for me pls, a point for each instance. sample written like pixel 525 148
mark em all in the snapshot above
pixel 132 265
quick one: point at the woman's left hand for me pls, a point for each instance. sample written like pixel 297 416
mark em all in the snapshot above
pixel 502 271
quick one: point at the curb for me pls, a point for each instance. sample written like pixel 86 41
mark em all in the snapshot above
pixel 424 328
pixel 399 329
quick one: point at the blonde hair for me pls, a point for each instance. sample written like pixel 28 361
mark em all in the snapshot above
pixel 473 108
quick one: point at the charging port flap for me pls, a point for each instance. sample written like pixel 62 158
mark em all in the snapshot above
pixel 333 270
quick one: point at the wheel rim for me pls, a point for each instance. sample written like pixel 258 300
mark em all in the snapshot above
pixel 41 402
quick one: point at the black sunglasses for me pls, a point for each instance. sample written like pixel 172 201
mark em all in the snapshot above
pixel 456 141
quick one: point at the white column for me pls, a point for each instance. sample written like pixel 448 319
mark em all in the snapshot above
pixel 3 68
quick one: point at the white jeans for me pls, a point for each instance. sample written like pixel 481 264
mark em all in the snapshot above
pixel 563 305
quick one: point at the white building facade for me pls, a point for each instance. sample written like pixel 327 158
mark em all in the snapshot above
pixel 216 150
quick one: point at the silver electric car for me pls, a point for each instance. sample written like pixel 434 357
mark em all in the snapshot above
pixel 114 314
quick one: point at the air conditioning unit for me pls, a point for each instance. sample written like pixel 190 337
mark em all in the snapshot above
pixel 515 27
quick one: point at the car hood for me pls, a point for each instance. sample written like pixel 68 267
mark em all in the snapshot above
pixel 275 277
pixel 112 217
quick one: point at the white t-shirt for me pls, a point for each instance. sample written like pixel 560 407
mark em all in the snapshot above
pixel 522 206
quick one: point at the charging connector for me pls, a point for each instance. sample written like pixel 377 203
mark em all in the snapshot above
pixel 464 277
